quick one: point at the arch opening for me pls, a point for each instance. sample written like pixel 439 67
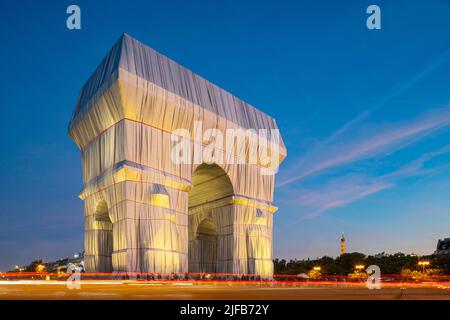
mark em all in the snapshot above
pixel 206 239
pixel 206 218
pixel 210 183
pixel 104 227
pixel 101 212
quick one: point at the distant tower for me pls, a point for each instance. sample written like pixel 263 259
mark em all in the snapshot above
pixel 342 244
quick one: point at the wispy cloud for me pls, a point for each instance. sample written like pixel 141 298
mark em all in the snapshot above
pixel 340 149
pixel 416 167
pixel 365 141
pixel 350 188
pixel 337 193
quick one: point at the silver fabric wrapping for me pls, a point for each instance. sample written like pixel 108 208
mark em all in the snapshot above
pixel 143 212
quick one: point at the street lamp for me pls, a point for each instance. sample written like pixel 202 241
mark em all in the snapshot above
pixel 40 268
pixel 424 264
pixel 317 268
pixel 359 267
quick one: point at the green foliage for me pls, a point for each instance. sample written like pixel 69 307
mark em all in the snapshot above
pixel 442 262
pixel 290 267
pixel 348 261
pixel 345 264
pixel 32 266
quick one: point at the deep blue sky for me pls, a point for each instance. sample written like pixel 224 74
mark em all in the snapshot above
pixel 364 114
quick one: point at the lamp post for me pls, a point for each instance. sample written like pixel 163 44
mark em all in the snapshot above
pixel 424 264
pixel 40 268
pixel 315 273
pixel 359 267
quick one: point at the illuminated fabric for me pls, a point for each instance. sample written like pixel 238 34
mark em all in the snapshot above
pixel 145 213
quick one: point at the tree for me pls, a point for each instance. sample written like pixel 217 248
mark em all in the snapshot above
pixel 33 265
pixel 345 264
pixel 348 261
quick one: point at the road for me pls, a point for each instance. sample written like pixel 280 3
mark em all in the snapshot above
pixel 103 289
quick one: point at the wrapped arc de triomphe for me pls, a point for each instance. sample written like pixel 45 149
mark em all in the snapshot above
pixel 151 202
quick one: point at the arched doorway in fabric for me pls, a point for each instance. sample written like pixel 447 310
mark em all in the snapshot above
pixel 104 242
pixel 206 239
pixel 208 218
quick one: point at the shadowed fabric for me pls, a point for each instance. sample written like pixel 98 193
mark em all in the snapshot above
pixel 143 211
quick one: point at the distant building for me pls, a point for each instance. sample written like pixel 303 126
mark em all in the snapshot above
pixel 443 246
pixel 19 268
pixel 342 244
pixel 381 255
pixel 62 264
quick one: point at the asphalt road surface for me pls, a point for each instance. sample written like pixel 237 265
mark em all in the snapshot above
pixel 93 290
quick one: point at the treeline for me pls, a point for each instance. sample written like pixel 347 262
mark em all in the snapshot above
pixel 345 264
